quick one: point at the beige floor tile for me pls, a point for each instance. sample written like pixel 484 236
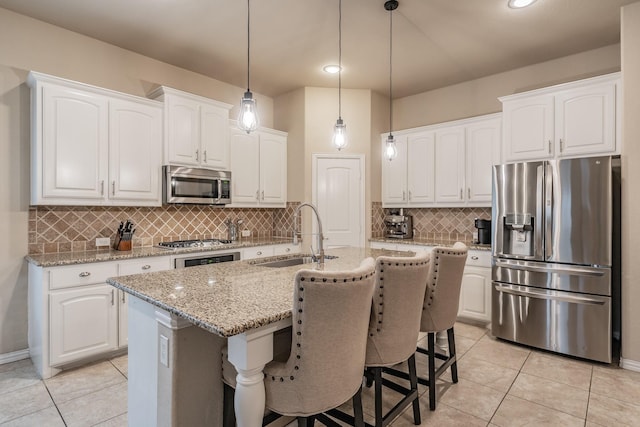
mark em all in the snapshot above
pixel 119 421
pixel 467 330
pixel 559 369
pixel 499 353
pixel 15 365
pixel 96 407
pixel 552 394
pixel 22 375
pixel 48 417
pixel 518 412
pixel 122 364
pixel 82 381
pixel 24 401
pixel 620 384
pixel 606 411
pixel 443 416
pixel 483 372
pixel 471 398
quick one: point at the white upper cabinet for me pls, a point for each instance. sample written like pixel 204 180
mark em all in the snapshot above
pixel 443 165
pixel 258 168
pixel 92 146
pixel 195 129
pixel 568 120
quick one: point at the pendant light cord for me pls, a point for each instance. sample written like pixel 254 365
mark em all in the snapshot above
pixel 340 59
pixel 390 71
pixel 248 43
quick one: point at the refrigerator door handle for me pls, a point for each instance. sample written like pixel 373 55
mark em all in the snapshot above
pixel 539 223
pixel 549 296
pixel 576 271
pixel 548 207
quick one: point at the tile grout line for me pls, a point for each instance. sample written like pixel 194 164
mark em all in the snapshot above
pixel 54 403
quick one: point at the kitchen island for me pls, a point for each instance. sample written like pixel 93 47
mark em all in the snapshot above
pixel 180 319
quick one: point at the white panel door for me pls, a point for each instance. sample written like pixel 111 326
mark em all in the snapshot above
pixel 394 175
pixel 273 169
pixel 135 147
pixel 475 294
pixel 420 167
pixel 482 152
pixel 339 198
pixel 83 322
pixel 183 128
pixel 74 144
pixel 450 165
pixel 245 167
pixel 528 128
pixel 214 122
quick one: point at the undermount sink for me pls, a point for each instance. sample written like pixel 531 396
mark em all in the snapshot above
pixel 298 260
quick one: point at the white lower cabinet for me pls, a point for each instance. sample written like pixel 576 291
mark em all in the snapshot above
pixel 257 252
pixel 475 293
pixel 83 322
pixel 286 249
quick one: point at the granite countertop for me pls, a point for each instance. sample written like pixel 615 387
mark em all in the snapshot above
pixel 429 242
pixel 230 298
pixel 69 258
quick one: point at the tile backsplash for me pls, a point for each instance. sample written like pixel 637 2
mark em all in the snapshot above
pixel 434 223
pixel 75 228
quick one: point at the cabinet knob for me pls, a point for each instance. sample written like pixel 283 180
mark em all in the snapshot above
pixel 259 253
pixel 474 257
pixel 146 267
pixel 84 274
pixel 288 250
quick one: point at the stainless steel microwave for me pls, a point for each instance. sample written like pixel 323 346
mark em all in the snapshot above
pixel 195 186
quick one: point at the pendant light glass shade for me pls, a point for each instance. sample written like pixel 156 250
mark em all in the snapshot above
pixel 340 135
pixel 340 140
pixel 248 120
pixel 390 149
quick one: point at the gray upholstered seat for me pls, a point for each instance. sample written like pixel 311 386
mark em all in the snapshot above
pixel 440 309
pixel 394 327
pixel 328 345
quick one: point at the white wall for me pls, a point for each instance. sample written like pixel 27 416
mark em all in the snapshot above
pixel 28 44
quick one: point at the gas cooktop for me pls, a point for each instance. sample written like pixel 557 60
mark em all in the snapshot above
pixel 206 243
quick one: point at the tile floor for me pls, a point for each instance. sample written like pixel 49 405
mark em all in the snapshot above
pixel 499 385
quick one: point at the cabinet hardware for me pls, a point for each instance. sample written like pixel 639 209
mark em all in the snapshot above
pixel 146 267
pixel 102 187
pixel 561 145
pixel 112 296
pixel 404 196
pixel 461 194
pixel 123 297
pixel 409 195
pixel 288 250
pixel 113 188
pixel 262 194
pixel 474 257
pixel 204 156
pixel 549 146
pixel 259 253
pixel 197 155
pixel 469 193
pixel 84 274
pixel 257 194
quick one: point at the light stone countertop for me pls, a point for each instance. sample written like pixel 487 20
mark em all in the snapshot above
pixel 230 298
pixel 429 242
pixel 69 258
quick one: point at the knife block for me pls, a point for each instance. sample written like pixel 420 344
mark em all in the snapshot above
pixel 121 245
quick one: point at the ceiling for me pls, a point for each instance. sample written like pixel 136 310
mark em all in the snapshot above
pixel 436 43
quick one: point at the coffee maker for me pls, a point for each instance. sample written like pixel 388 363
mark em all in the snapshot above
pixel 482 235
pixel 398 225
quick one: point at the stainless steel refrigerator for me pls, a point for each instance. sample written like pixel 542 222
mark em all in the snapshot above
pixel 556 255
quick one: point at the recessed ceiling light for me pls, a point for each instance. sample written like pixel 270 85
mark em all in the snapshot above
pixel 331 69
pixel 517 4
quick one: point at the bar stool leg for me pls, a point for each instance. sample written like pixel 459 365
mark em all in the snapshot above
pixel 413 375
pixel 452 355
pixel 432 370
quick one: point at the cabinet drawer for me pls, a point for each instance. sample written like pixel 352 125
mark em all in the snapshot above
pixel 84 274
pixel 479 258
pixel 286 249
pixel 146 265
pixel 257 252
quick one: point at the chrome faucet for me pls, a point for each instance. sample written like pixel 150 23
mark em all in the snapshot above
pixel 320 257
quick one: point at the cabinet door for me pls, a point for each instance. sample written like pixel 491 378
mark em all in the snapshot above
pixel 135 146
pixel 74 144
pixel 214 141
pixel 449 165
pixel 482 152
pixel 273 169
pixel 475 294
pixel 394 175
pixel 83 322
pixel 123 319
pixel 257 252
pixel 245 167
pixel 420 168
pixel 585 120
pixel 183 130
pixel 528 128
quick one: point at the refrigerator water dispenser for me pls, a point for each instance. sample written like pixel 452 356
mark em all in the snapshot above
pixel 518 234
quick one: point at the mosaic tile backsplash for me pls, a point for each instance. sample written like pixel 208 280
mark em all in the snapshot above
pixel 75 228
pixel 437 223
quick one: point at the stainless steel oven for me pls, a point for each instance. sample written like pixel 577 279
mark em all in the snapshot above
pixel 194 260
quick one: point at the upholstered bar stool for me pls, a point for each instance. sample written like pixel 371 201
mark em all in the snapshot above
pixel 393 330
pixel 440 310
pixel 328 345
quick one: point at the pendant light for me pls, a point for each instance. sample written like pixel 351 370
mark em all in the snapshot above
pixel 390 149
pixel 248 119
pixel 340 129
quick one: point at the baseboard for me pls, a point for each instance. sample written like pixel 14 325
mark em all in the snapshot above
pixel 629 364
pixel 14 356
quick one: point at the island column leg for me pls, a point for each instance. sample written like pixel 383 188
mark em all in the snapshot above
pixel 249 352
